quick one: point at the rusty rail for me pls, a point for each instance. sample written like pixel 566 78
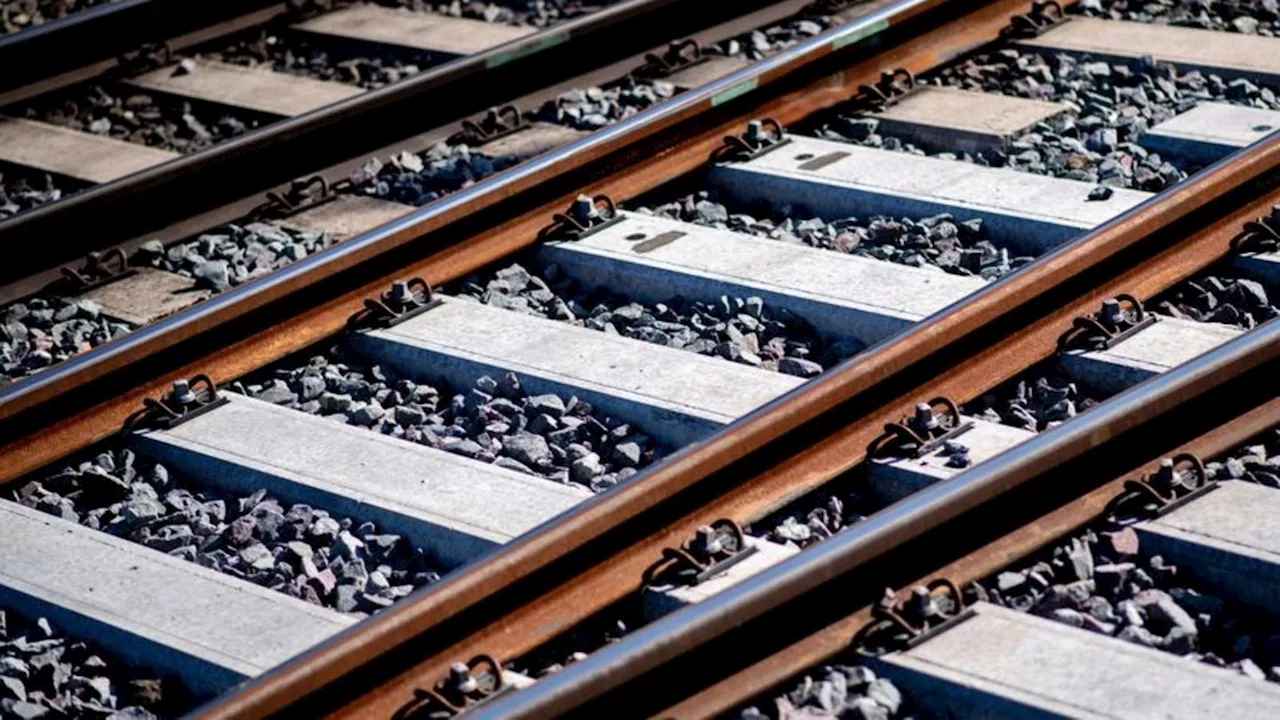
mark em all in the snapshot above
pixel 741 473
pixel 827 409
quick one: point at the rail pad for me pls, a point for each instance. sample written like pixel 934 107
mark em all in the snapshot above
pixel 417 30
pixel 675 396
pixel 836 180
pixel 75 154
pixel 1211 131
pixel 454 507
pixel 949 119
pixel 1002 663
pixel 1228 539
pixel 250 88
pixel 1154 349
pixel 1253 56
pixel 652 259
pixel 151 609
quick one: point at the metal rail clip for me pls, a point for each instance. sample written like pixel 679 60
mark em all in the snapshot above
pixel 1178 481
pixel 586 216
pixel 99 268
pixel 884 93
pixel 299 196
pixel 187 400
pixel 406 299
pixel 496 123
pixel 1259 236
pixel 713 549
pixel 679 55
pixel 762 136
pixel 1107 327
pixel 902 624
pixel 462 689
pixel 917 436
pixel 1042 16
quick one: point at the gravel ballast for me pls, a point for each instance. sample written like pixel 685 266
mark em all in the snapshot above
pixel 1217 298
pixel 46 674
pixel 1103 582
pixel 1250 17
pixel 46 329
pixel 22 190
pixel 288 53
pixel 332 561
pixel 835 692
pixel 141 118
pixel 743 330
pixel 1037 400
pixel 233 254
pixel 19 15
pixel 39 332
pixel 560 439
pixel 1111 106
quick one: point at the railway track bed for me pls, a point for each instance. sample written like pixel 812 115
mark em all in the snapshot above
pixel 979 254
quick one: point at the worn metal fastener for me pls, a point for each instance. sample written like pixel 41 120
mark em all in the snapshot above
pixel 1107 327
pixel 921 433
pixel 761 136
pixel 1041 17
pixel 461 689
pixel 713 549
pixel 900 624
pixel 405 299
pixel 586 215
pixel 186 400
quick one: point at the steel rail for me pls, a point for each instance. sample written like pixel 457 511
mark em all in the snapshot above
pixel 831 641
pixel 155 196
pixel 464 592
pixel 762 482
pixel 562 607
pixel 908 519
pixel 248 354
pixel 105 31
pixel 609 145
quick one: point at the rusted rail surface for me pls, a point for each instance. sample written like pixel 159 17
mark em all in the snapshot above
pixel 833 640
pixel 825 456
pixel 743 472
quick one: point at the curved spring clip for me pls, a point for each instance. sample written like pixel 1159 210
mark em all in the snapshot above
pixel 885 91
pixel 496 122
pixel 566 226
pixel 1090 333
pixel 900 437
pixel 676 56
pixel 97 266
pixel 1142 499
pixel 887 616
pixel 1259 236
pixel 686 557
pixel 437 696
pixel 1042 16
pixel 296 197
pixel 760 134
pixel 166 411
pixel 401 298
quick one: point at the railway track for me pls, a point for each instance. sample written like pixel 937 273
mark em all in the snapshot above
pixel 618 406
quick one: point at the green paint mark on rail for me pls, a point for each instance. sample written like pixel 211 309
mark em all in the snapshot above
pixel 859 35
pixel 736 91
pixel 547 41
